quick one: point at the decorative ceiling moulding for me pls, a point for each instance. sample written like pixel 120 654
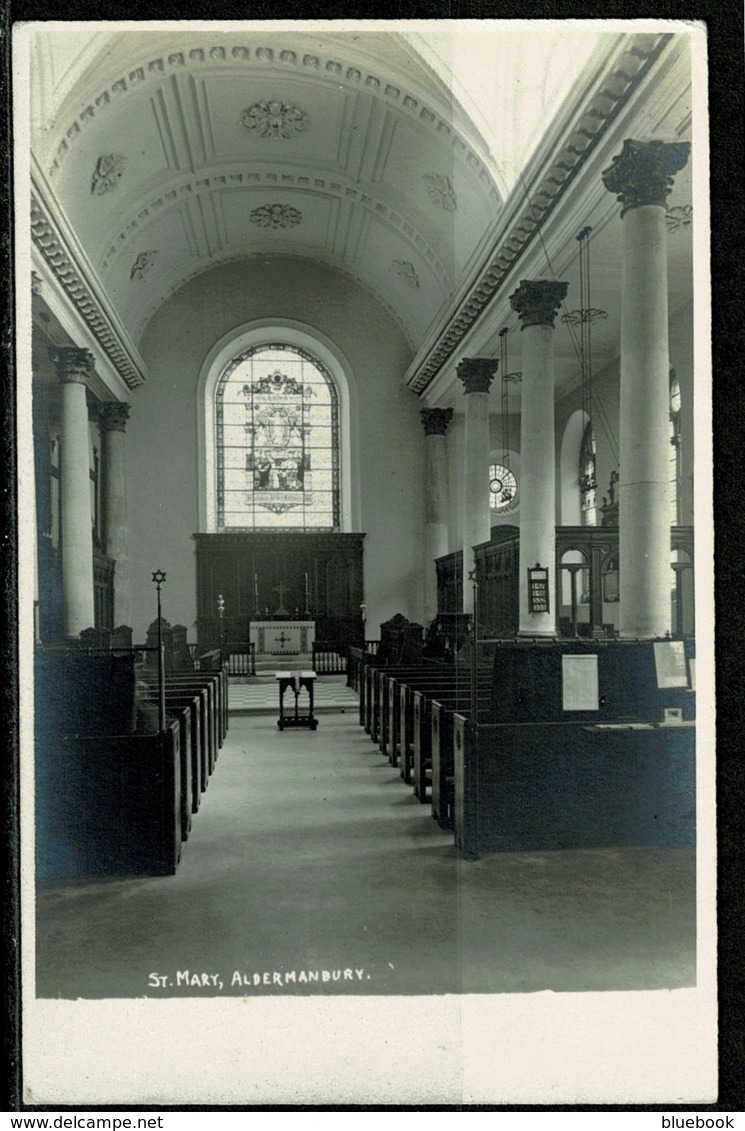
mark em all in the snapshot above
pixel 580 141
pixel 405 271
pixel 276 216
pixel 679 217
pixel 274 119
pixel 143 263
pixel 243 179
pixel 107 173
pixel 441 191
pixel 66 270
pixel 321 260
pixel 176 62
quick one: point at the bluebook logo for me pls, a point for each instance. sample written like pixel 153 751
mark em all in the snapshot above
pixel 697 1121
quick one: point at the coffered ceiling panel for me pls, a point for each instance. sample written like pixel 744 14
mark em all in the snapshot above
pixel 272 120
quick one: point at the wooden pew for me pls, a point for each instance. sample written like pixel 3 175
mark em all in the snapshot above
pixel 522 787
pixel 118 806
pixel 423 748
pixel 205 731
pixel 387 691
pixel 215 685
pixel 456 684
pixel 187 706
pixel 582 750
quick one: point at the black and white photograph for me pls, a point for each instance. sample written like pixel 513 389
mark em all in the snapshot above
pixel 366 571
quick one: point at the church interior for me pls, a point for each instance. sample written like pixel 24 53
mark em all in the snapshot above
pixel 362 373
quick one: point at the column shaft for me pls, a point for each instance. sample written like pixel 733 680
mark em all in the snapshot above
pixel 476 517
pixel 436 542
pixel 641 176
pixel 113 419
pixel 538 476
pixel 644 486
pixel 75 499
pixel 537 301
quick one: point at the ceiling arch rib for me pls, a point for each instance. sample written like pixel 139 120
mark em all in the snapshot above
pixel 254 145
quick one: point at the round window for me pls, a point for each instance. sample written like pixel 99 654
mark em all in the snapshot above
pixel 502 487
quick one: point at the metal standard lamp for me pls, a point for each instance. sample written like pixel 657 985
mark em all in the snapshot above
pixel 159 577
pixel 221 614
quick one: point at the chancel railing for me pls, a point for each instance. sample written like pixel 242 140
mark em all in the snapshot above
pixel 329 658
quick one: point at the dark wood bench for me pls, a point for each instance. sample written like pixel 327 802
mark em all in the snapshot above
pixel 191 707
pixel 423 748
pixel 206 731
pixel 117 806
pixel 529 787
pixel 386 711
pixel 454 684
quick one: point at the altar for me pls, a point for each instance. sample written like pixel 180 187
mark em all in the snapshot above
pixel 282 637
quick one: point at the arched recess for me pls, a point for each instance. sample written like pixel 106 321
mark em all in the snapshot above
pixel 249 336
pixel 569 492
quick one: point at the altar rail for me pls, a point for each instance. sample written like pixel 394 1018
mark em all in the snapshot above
pixel 330 658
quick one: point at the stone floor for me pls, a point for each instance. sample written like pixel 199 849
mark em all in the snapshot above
pixel 259 695
pixel 312 869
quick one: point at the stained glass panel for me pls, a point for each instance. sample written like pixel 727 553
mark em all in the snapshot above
pixel 277 442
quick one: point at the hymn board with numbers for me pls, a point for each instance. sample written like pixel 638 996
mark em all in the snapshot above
pixel 284 576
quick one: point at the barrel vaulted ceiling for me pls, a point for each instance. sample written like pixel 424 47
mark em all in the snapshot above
pixel 158 154
pixel 175 151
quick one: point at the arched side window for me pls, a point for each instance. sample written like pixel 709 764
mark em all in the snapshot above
pixel 276 435
pixel 675 452
pixel 587 478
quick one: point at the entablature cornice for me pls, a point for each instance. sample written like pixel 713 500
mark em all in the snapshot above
pixel 76 278
pixel 549 176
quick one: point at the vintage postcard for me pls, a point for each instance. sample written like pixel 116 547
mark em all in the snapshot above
pixel 366 560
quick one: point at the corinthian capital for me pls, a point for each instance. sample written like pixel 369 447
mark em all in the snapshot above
pixel 477 373
pixel 536 301
pixel 643 171
pixel 436 420
pixel 113 416
pixel 72 363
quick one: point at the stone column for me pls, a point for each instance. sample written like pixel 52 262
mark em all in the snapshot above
pixel 642 177
pixel 73 367
pixel 537 302
pixel 435 421
pixel 477 374
pixel 113 419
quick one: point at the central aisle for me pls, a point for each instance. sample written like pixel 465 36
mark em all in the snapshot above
pixel 310 855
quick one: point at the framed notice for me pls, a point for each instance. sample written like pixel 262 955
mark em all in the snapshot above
pixel 579 683
pixel 670 664
pixel 538 589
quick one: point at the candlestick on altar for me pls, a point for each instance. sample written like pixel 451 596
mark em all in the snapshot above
pixel 307 602
pixel 256 595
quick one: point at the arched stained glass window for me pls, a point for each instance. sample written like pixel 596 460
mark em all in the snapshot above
pixel 277 442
